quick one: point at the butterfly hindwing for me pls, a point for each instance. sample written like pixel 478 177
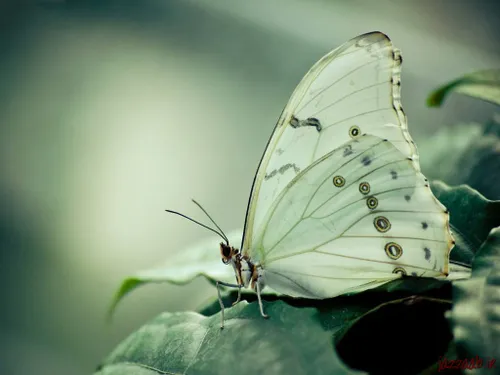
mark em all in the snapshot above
pixel 353 220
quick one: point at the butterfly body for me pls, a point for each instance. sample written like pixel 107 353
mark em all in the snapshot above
pixel 245 271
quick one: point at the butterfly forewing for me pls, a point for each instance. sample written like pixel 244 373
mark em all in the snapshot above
pixel 351 91
pixel 353 220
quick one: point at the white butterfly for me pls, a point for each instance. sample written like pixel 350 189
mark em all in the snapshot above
pixel 338 203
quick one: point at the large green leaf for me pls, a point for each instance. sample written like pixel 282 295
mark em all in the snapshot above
pixel 484 85
pixel 441 156
pixel 476 310
pixel 290 342
pixel 465 154
pixel 298 337
pixel 472 216
pixel 128 369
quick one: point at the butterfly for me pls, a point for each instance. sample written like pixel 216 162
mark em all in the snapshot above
pixel 338 203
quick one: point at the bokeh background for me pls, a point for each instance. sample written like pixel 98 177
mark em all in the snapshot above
pixel 112 111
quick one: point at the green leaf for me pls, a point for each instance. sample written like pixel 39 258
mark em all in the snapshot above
pixel 465 154
pixel 441 154
pixel 290 342
pixel 360 317
pixel 348 306
pixel 484 85
pixel 298 337
pixel 202 259
pixel 472 216
pixel 127 369
pixel 476 310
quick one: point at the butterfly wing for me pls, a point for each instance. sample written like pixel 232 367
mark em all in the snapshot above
pixel 360 216
pixel 354 89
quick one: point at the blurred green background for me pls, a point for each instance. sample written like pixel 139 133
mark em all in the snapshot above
pixel 112 111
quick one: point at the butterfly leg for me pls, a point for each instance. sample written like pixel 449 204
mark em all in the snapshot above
pixel 257 285
pixel 239 296
pixel 218 284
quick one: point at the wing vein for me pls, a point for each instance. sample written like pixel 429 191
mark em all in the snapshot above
pixel 333 83
pixel 347 96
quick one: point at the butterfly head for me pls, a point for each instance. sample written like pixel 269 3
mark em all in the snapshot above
pixel 228 253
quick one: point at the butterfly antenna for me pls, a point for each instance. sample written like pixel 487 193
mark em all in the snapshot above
pixel 223 235
pixel 200 224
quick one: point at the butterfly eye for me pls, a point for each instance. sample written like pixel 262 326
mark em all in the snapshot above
pixel 225 252
pixel 399 270
pixel 354 131
pixel 393 250
pixel 339 181
pixel 382 224
pixel 364 188
pixel 372 203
